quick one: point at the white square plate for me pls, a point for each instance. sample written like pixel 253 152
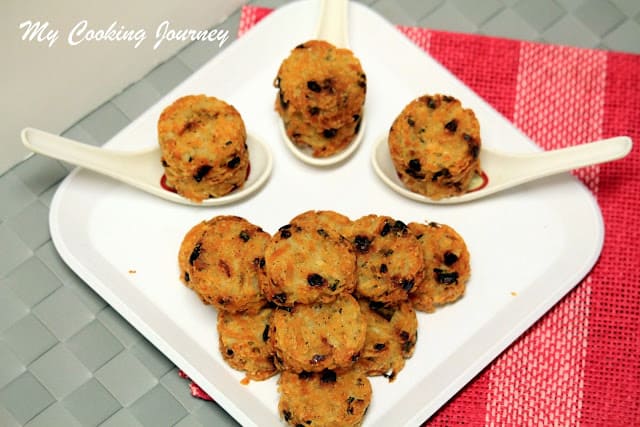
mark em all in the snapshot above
pixel 528 247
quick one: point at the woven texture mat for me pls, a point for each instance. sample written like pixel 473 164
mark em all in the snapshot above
pixel 580 363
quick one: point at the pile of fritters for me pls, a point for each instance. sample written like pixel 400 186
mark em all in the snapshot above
pixel 325 301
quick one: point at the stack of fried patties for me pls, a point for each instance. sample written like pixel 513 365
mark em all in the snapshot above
pixel 220 259
pixel 321 97
pixel 326 301
pixel 435 144
pixel 318 330
pixel 203 143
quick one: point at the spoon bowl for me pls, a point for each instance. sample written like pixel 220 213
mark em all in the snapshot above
pixel 501 171
pixel 304 154
pixel 143 169
pixel 332 27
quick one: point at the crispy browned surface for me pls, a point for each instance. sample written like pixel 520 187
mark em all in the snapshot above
pixel 313 337
pixel 203 144
pixel 447 265
pixel 321 94
pixel 220 260
pixel 243 342
pixel 434 145
pixel 324 399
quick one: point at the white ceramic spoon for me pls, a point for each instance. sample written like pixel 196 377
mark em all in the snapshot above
pixel 505 170
pixel 142 168
pixel 331 27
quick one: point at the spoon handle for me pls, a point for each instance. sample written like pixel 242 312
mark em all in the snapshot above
pixel 108 162
pixel 565 159
pixel 332 22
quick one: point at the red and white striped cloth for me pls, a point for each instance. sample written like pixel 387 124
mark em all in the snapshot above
pixel 580 363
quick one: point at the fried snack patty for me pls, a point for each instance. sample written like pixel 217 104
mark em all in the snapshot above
pixel 203 144
pixel 325 219
pixel 313 337
pixel 434 145
pixel 326 398
pixel 324 83
pixel 321 94
pixel 392 333
pixel 305 264
pixel 389 259
pixel 447 266
pixel 220 260
pixel 243 343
